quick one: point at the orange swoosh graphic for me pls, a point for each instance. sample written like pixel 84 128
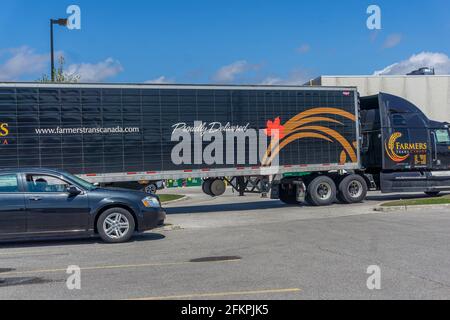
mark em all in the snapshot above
pixel 293 138
pixel 291 123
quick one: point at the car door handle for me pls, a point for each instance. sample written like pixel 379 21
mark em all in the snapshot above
pixel 35 199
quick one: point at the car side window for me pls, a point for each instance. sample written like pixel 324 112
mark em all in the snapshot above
pixel 9 184
pixel 443 137
pixel 45 184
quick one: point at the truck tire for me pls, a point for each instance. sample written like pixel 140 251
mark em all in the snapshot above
pixel 116 225
pixel 433 193
pixel 321 191
pixel 206 187
pixel 288 196
pixel 218 187
pixel 352 189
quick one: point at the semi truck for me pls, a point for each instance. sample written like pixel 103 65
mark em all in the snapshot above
pixel 298 143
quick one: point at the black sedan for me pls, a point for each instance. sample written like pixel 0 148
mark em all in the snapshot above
pixel 42 203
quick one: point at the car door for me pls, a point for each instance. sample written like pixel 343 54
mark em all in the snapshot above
pixel 441 149
pixel 51 208
pixel 13 217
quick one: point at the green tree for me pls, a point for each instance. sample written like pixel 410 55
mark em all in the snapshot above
pixel 60 75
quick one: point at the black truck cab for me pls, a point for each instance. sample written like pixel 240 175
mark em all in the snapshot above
pixel 403 149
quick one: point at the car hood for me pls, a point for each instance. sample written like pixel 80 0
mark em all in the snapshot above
pixel 120 192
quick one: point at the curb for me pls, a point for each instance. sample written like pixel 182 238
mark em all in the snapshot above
pixel 411 208
pixel 177 200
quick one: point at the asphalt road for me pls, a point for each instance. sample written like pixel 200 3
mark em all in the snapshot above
pixel 269 250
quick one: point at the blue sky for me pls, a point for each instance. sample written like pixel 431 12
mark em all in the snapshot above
pixel 232 41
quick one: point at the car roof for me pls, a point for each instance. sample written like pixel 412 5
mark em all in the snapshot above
pixel 32 170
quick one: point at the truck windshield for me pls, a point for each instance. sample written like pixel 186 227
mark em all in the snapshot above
pixel 83 183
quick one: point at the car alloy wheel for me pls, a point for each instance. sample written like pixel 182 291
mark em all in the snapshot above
pixel 151 189
pixel 116 225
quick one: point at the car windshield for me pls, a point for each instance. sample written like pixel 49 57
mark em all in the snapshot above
pixel 83 183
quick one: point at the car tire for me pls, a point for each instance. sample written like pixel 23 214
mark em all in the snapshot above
pixel 352 189
pixel 322 191
pixel 116 225
pixel 151 189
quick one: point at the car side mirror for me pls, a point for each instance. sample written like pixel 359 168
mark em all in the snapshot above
pixel 73 191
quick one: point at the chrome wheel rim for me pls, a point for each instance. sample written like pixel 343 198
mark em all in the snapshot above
pixel 355 189
pixel 324 191
pixel 116 225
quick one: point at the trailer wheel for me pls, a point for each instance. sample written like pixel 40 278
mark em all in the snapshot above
pixel 287 195
pixel 206 187
pixel 322 191
pixel 352 189
pixel 218 187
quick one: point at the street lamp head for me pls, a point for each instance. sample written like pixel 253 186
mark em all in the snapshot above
pixel 60 22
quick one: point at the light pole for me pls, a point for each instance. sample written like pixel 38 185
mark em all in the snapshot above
pixel 60 22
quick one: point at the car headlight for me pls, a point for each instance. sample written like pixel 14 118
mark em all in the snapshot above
pixel 151 202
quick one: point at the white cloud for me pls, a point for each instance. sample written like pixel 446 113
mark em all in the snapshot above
pixel 22 61
pixel 98 72
pixel 439 61
pixel 304 48
pixel 296 78
pixel 161 80
pixel 230 72
pixel 392 40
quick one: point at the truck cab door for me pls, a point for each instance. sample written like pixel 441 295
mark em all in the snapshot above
pixel 440 139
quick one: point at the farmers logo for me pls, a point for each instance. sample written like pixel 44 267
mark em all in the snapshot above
pixel 400 152
pixel 4 132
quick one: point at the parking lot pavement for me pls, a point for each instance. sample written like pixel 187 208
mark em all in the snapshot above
pixel 262 250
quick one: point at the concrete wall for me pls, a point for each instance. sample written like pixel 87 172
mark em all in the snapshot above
pixel 430 93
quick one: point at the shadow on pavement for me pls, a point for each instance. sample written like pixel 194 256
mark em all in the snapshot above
pixel 78 241
pixel 276 204
pixel 399 196
pixel 246 206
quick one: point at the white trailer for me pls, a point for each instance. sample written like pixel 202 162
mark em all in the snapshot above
pixel 430 93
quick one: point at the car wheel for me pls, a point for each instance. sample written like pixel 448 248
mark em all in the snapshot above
pixel 352 189
pixel 116 225
pixel 151 189
pixel 322 191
